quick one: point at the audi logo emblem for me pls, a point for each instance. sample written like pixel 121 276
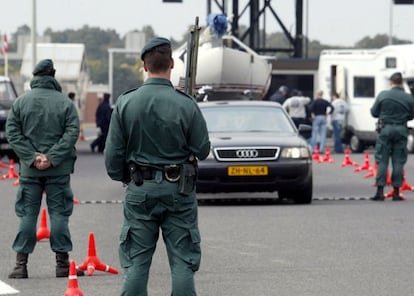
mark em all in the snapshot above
pixel 247 153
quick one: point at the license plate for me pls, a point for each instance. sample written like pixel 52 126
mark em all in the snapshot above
pixel 247 170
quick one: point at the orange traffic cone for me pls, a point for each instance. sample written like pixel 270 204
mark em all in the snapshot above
pixel 391 193
pixel 316 156
pixel 366 166
pixel 11 173
pixel 17 182
pixel 43 232
pixel 372 171
pixel 81 136
pixel 73 288
pixel 92 262
pixel 348 161
pixel 388 181
pixel 327 157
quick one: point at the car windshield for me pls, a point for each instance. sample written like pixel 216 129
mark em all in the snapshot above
pixel 246 119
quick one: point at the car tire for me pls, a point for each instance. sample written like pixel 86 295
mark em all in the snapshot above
pixel 301 195
pixel 355 144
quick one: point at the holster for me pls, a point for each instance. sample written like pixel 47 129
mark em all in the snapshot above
pixel 135 173
pixel 187 181
pixel 379 125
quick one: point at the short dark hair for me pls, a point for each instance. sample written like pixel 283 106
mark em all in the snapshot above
pixel 158 58
pixel 71 95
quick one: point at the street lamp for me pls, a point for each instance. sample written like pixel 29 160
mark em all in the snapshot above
pixel 33 35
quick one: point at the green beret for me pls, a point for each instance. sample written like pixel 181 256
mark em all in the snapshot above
pixel 43 67
pixel 396 77
pixel 154 42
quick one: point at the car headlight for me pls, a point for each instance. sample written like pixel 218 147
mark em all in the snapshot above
pixel 295 152
pixel 210 155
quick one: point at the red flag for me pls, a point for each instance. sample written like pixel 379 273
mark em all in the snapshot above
pixel 5 45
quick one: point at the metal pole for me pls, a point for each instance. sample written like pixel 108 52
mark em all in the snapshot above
pixel 33 35
pixel 110 74
pixel 391 16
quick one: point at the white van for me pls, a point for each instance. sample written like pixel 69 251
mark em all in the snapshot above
pixel 358 75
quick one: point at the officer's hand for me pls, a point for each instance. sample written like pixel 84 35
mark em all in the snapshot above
pixel 41 162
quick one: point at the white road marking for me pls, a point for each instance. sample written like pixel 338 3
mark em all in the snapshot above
pixel 6 289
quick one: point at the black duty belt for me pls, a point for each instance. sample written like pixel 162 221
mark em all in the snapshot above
pixel 169 172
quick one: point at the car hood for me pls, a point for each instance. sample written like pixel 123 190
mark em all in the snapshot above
pixel 256 139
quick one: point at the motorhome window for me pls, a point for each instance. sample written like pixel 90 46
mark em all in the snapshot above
pixel 390 62
pixel 364 87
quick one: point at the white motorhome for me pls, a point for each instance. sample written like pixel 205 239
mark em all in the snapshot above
pixel 358 75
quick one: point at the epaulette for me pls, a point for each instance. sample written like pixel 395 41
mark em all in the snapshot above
pixel 129 90
pixel 185 94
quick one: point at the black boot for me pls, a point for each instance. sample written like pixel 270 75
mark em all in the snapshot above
pixel 62 265
pixel 396 195
pixel 379 196
pixel 20 270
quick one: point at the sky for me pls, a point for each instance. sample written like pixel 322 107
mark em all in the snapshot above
pixel 332 22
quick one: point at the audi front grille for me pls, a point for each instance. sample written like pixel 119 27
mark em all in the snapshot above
pixel 246 153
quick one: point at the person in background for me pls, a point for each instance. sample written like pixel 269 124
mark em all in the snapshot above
pixel 296 107
pixel 393 108
pixel 280 95
pixel 71 96
pixel 341 108
pixel 319 109
pixel 42 128
pixel 156 136
pixel 103 117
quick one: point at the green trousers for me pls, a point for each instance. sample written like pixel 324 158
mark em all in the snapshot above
pixel 59 199
pixel 148 208
pixel 391 144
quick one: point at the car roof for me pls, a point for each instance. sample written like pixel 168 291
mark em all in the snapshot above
pixel 252 103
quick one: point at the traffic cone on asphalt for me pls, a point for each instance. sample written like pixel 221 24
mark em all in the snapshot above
pixel 43 231
pixel 92 262
pixel 316 156
pixel 81 136
pixel 366 166
pixel 391 193
pixel 11 173
pixel 73 288
pixel 327 157
pixel 348 161
pixel 372 171
pixel 388 178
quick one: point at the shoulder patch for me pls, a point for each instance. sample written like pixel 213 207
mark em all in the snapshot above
pixel 183 93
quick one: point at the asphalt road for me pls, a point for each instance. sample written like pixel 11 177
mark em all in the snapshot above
pixel 341 244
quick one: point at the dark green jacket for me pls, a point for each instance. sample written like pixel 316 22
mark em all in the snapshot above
pixel 44 120
pixel 154 125
pixel 393 106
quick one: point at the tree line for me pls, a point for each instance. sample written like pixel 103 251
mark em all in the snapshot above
pixel 127 68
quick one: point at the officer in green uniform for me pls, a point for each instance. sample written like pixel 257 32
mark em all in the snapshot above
pixel 155 137
pixel 42 128
pixel 393 108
